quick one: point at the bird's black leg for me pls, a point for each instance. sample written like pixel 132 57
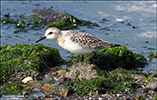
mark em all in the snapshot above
pixel 82 58
pixel 92 56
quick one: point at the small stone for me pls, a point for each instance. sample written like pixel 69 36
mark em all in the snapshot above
pixel 119 95
pixel 152 85
pixel 63 79
pixel 48 78
pixel 137 97
pixel 100 98
pixel 25 80
pixel 128 98
pixel 54 73
pixel 105 95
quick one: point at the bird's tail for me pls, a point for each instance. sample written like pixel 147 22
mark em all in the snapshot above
pixel 115 45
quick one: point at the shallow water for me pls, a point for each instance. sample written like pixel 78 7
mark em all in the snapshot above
pixel 141 14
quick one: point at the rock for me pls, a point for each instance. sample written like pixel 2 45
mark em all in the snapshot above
pixel 25 80
pixel 80 70
pixel 54 73
pixel 152 85
pixel 63 79
pixel 24 60
pixel 119 95
pixel 51 16
pixel 152 75
pixel 112 58
pixel 138 75
pixel 49 78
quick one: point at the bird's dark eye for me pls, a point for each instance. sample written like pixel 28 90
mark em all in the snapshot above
pixel 50 32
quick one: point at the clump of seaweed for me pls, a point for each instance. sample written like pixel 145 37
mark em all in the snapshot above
pixel 26 60
pixel 112 58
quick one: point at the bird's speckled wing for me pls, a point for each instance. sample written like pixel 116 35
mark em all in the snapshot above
pixel 88 41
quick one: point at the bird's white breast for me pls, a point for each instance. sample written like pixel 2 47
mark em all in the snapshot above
pixel 75 48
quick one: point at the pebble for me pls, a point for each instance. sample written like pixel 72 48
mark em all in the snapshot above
pixel 119 20
pixel 119 95
pixel 63 79
pixel 25 80
pixel 152 85
pixel 100 98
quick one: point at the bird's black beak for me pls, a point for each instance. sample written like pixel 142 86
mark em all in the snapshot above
pixel 41 39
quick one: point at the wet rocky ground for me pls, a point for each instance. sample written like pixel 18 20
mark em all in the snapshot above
pixel 143 93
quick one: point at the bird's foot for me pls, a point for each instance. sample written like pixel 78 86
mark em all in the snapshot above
pixel 82 58
pixel 92 56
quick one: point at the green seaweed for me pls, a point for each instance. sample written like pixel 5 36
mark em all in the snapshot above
pixel 151 56
pixel 104 19
pixel 60 25
pixel 10 88
pixel 74 21
pixel 125 58
pixel 21 25
pixel 155 97
pixel 22 22
pixel 89 24
pixel 26 57
pixel 146 80
pixel 114 57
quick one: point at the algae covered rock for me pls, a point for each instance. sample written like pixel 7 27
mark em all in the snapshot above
pixel 120 57
pixel 51 16
pixel 112 58
pixel 24 60
pixel 61 20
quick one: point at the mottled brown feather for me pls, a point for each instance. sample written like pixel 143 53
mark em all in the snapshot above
pixel 88 41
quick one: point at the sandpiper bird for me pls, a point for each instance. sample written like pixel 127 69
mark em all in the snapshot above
pixel 76 42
